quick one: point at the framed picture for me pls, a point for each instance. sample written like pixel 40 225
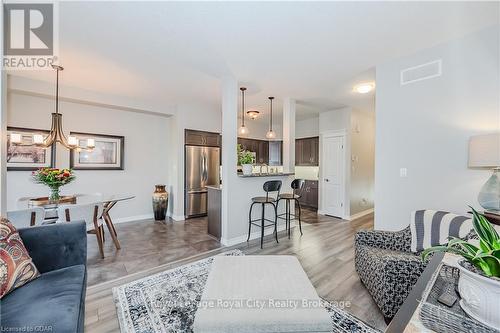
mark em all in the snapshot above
pixel 107 154
pixel 28 158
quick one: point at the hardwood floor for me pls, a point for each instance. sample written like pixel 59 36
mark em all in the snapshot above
pixel 147 244
pixel 325 251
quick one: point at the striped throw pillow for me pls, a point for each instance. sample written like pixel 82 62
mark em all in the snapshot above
pixel 431 228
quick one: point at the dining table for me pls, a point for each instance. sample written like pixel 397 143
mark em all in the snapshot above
pixel 108 201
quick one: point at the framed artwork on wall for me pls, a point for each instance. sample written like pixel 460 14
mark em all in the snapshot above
pixel 28 158
pixel 108 153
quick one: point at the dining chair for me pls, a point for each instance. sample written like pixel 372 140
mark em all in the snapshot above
pixel 26 217
pixel 91 214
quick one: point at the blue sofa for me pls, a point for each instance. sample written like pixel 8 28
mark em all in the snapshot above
pixel 55 301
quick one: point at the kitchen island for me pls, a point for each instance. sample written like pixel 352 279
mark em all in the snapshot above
pixel 214 210
pixel 236 229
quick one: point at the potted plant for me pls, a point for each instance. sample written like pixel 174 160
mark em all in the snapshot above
pixel 54 179
pixel 479 282
pixel 245 159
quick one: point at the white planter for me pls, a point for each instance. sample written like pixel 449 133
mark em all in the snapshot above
pixel 480 297
pixel 247 169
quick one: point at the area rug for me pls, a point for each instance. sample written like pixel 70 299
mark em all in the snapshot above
pixel 167 302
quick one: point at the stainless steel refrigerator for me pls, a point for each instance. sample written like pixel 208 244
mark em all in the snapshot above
pixel 201 169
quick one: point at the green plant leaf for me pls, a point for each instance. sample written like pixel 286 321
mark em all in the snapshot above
pixel 484 229
pixel 484 246
pixel 483 266
pixel 496 254
pixel 450 249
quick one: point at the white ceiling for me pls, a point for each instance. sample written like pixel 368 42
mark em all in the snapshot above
pixel 173 52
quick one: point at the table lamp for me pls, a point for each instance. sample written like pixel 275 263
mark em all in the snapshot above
pixel 484 152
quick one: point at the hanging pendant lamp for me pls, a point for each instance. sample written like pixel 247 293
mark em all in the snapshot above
pixel 243 130
pixel 271 134
pixel 56 134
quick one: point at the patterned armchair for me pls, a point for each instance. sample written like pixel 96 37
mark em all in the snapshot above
pixel 386 267
pixel 389 263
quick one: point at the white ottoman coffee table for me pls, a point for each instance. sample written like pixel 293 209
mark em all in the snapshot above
pixel 253 294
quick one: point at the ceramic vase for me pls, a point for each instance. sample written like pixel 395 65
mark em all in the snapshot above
pixel 480 296
pixel 160 202
pixel 247 169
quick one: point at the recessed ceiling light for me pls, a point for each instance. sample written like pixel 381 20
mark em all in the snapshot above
pixel 364 88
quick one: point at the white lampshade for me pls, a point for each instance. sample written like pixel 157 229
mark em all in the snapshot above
pixel 15 138
pixel 38 139
pixel 72 141
pixel 484 151
pixel 90 143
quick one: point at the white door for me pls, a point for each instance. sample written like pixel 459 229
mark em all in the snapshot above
pixel 332 183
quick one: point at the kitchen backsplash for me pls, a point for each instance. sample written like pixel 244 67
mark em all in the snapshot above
pixel 307 172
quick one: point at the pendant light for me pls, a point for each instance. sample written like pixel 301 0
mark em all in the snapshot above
pixel 56 134
pixel 271 134
pixel 243 130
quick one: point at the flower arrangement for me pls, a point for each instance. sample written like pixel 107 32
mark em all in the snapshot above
pixel 54 179
pixel 485 256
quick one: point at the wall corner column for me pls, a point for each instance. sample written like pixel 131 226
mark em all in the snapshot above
pixel 289 106
pixel 229 158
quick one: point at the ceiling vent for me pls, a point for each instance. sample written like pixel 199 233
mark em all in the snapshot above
pixel 421 72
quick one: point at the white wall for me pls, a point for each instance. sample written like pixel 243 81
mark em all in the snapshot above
pixel 425 127
pixel 362 160
pixel 307 128
pixel 146 151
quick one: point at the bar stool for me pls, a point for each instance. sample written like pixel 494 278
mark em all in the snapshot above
pixel 269 187
pixel 297 187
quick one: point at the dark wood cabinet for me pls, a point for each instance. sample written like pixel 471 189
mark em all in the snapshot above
pixel 263 152
pixel 310 194
pixel 259 147
pixel 307 151
pixel 201 138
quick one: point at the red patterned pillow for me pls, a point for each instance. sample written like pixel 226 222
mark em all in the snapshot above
pixel 16 266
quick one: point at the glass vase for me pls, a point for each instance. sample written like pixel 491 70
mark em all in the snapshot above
pixel 54 194
pixel 489 197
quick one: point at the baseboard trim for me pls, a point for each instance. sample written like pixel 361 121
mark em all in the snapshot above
pixel 253 235
pixel 132 218
pixel 361 214
pixel 177 218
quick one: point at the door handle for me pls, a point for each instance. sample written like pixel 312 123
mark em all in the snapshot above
pixel 203 167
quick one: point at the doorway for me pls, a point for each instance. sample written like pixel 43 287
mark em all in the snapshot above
pixel 333 177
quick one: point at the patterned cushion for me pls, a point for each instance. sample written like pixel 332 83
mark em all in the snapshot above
pixel 16 266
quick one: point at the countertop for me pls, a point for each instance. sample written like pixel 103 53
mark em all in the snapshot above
pixel 266 175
